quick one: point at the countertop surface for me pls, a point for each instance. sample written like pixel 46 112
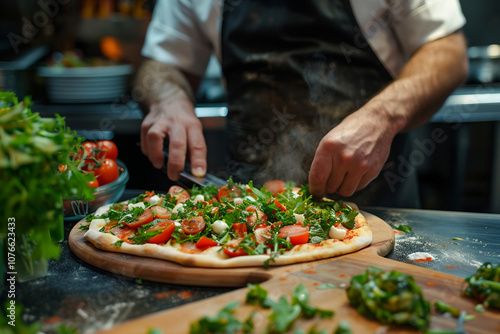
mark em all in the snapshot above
pixel 77 294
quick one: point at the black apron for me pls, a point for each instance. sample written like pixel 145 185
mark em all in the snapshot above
pixel 294 70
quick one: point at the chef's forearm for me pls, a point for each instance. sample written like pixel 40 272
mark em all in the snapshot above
pixel 157 83
pixel 431 74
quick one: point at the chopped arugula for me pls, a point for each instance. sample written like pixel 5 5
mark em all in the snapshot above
pixel 222 322
pixel 404 228
pixel 389 297
pixel 301 298
pixel 443 307
pixel 207 192
pixel 283 315
pixel 257 295
pixel 327 286
pixel 343 328
pixel 313 330
pixel 484 285
pixel 118 243
pixel 141 238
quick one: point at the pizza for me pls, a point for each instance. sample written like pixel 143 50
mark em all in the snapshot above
pixel 237 225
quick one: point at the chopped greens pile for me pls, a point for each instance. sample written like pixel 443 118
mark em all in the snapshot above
pixel 31 148
pixel 389 297
pixel 484 285
pixel 283 315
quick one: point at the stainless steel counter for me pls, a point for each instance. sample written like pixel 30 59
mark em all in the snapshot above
pixel 460 242
pixel 80 295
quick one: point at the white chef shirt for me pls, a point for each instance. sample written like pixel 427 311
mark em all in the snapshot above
pixel 184 33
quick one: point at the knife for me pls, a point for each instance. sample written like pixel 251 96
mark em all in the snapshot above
pixel 207 180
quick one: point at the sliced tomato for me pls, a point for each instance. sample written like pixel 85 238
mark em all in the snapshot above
pixel 263 234
pixel 144 218
pixel 240 229
pixel 231 249
pixel 160 212
pixel 179 193
pixel 167 227
pixel 275 186
pixel 205 243
pixel 261 225
pixel 148 196
pixel 229 193
pixel 280 206
pixel 193 225
pixel 123 233
pixel 257 216
pixel 297 233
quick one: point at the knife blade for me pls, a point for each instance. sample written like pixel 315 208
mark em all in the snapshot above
pixel 207 180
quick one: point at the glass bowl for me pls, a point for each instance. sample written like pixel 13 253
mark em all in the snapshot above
pixel 77 208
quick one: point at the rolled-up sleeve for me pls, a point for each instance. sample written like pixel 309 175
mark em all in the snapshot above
pixel 420 21
pixel 174 37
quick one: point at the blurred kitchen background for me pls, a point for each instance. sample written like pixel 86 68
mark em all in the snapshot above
pixel 48 49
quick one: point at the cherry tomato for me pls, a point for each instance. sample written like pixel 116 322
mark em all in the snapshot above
pixel 297 233
pixel 87 153
pixel 106 149
pixel 107 172
pixel 167 227
pixel 89 167
pixel 275 186
pixel 240 229
pixel 205 242
pixel 179 193
pixel 193 225
pixel 231 249
pixel 144 218
pixel 93 184
pixel 160 212
pixel 225 192
pixel 256 216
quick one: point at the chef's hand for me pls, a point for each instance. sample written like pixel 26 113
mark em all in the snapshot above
pixel 350 155
pixel 174 120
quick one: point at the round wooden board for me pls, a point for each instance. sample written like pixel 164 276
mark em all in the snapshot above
pixel 169 272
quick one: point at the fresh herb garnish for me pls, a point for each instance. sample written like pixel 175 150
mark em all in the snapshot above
pixel 257 295
pixel 118 243
pixel 484 285
pixel 389 297
pixel 443 307
pixel 222 322
pixel 404 228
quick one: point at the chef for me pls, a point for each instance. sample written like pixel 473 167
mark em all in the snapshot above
pixel 319 91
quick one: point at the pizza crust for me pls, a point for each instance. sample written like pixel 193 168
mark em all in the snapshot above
pixel 214 257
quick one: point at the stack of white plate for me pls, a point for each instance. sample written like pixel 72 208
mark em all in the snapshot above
pixel 85 84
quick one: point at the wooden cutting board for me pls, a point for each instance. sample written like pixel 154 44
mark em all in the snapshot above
pixel 435 286
pixel 169 272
